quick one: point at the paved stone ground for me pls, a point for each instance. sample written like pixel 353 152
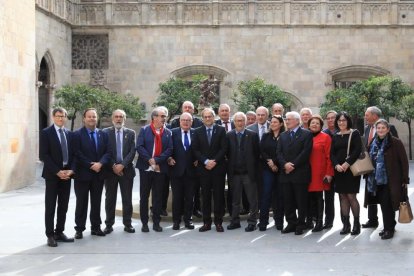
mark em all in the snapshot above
pixel 23 249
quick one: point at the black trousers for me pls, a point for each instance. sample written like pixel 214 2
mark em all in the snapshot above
pixel 388 213
pixel 56 191
pixel 183 198
pixel 295 197
pixel 151 182
pixel 329 204
pixel 197 195
pixel 165 192
pixel 111 190
pixel 83 189
pixel 373 212
pixel 212 184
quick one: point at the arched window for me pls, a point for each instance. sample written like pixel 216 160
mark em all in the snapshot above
pixel 344 77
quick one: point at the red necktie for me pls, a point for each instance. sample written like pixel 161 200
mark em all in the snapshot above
pixel 226 126
pixel 371 135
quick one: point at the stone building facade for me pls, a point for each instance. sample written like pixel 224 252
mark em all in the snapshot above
pixel 305 47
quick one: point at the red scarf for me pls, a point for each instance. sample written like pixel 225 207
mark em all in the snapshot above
pixel 158 140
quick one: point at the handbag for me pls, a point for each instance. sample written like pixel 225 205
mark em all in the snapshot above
pixel 363 165
pixel 405 214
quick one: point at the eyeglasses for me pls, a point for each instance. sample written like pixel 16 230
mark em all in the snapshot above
pixel 120 116
pixel 60 116
pixel 162 116
pixel 342 121
pixel 185 120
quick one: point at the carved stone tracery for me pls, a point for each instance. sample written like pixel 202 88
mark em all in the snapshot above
pixel 90 51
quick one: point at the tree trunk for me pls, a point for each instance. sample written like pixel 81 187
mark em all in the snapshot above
pixel 72 123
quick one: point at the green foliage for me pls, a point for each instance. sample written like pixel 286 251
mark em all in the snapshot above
pixel 175 91
pixel 78 97
pixel 254 93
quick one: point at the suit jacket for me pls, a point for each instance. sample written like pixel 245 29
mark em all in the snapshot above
pixel 297 151
pixel 176 123
pixel 145 147
pixel 255 127
pixel 220 122
pixel 184 158
pixel 85 154
pixel 215 151
pixel 50 152
pixel 251 151
pixel 128 150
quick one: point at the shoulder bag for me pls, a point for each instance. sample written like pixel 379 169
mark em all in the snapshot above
pixel 363 165
pixel 405 214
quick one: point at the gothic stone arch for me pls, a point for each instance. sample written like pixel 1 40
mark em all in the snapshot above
pixel 345 76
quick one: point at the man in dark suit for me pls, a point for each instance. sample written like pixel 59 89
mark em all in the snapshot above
pixel 120 170
pixel 209 148
pixel 243 156
pixel 154 147
pixel 188 107
pixel 92 153
pixel 372 115
pixel 56 152
pixel 183 172
pixel 293 152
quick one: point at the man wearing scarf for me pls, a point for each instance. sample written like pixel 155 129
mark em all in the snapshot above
pixel 154 147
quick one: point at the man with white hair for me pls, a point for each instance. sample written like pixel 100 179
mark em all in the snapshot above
pixel 262 124
pixel 305 115
pixel 293 152
pixel 120 171
pixel 243 157
pixel 277 109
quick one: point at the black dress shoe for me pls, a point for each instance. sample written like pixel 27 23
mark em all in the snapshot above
pixel 156 227
pixel 78 235
pixel 279 227
pixel 61 237
pixel 205 227
pixel 387 235
pixel 176 226
pixel 108 230
pixel 233 226
pixel 327 225
pixel 370 224
pixel 189 225
pixel 262 227
pixel 299 231
pixel 51 242
pixel 289 229
pixel 381 233
pixel 145 228
pixel 164 213
pixel 250 228
pixel 98 232
pixel 129 229
pixel 197 213
pixel 219 228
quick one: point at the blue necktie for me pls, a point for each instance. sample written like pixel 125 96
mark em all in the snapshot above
pixel 118 147
pixel 186 141
pixel 93 141
pixel 292 135
pixel 239 138
pixel 209 135
pixel 64 146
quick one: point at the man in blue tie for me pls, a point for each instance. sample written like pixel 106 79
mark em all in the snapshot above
pixel 209 147
pixel 120 171
pixel 183 172
pixel 56 152
pixel 92 153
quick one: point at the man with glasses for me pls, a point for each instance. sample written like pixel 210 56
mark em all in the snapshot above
pixel 56 152
pixel 209 148
pixel 119 171
pixel 154 147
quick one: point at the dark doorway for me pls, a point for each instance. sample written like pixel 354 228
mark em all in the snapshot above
pixel 44 77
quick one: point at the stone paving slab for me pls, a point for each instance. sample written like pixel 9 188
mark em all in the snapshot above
pixel 23 249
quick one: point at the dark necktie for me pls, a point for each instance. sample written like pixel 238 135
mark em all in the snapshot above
pixel 263 129
pixel 118 147
pixel 239 138
pixel 226 126
pixel 64 146
pixel 292 135
pixel 209 135
pixel 186 141
pixel 93 141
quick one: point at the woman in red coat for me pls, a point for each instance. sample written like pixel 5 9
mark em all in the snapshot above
pixel 322 170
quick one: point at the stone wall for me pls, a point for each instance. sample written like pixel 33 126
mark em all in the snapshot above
pixel 17 93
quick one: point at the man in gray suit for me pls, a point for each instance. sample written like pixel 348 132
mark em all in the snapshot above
pixel 120 170
pixel 262 125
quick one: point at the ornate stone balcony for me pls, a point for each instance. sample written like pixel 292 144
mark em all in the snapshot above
pixel 231 13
